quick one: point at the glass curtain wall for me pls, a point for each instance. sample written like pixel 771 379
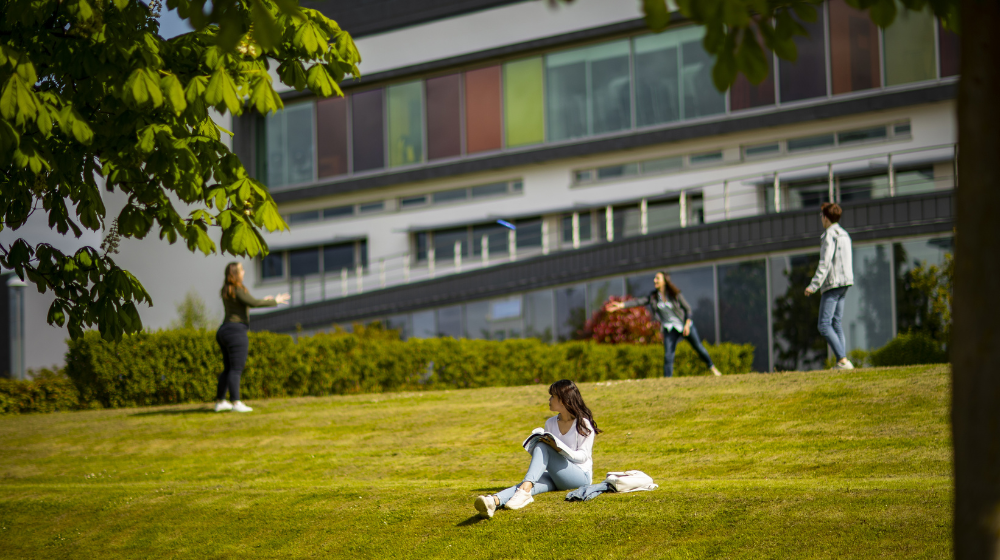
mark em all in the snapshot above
pixel 449 321
pixel 806 77
pixel 599 291
pixel 673 78
pixel 744 95
pixel 540 315
pixel 483 109
pixel 367 130
pixel 290 145
pixel 854 49
pixel 798 345
pixel 867 318
pixel 331 136
pixel 444 116
pixel 423 324
pixel 743 307
pixel 588 91
pixel 698 287
pixel 571 311
pixel 913 261
pixel 524 114
pixel 406 127
pixel 909 48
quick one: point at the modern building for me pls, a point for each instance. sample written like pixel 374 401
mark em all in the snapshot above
pixel 503 167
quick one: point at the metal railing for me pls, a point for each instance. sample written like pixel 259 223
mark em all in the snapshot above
pixel 887 174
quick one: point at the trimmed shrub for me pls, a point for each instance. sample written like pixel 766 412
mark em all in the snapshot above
pixel 182 365
pixel 48 392
pixel 909 349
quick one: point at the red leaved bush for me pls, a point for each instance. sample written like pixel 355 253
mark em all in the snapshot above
pixel 628 326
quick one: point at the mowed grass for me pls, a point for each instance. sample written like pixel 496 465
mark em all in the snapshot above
pixel 792 465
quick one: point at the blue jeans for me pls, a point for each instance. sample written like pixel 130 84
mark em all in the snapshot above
pixel 670 338
pixel 831 310
pixel 548 471
pixel 233 340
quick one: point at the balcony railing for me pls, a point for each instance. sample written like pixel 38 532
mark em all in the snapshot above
pixel 887 174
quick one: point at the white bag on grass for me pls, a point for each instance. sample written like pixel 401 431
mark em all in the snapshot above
pixel 630 481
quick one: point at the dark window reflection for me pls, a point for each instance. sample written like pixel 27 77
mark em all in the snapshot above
pixel 698 287
pixel 912 260
pixel 798 345
pixel 743 307
pixel 449 321
pixel 806 77
pixel 571 312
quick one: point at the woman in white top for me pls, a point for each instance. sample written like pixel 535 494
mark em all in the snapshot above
pixel 549 470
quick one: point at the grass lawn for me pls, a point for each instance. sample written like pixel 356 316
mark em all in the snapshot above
pixel 792 465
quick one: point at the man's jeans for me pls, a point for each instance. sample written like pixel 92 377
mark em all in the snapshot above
pixel 831 310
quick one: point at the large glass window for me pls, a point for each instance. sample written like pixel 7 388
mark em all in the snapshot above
pixel 367 130
pixel 272 265
pixel 476 323
pixel 483 110
pixel 588 90
pixel 744 95
pixel 909 48
pixel 290 145
pixel 867 318
pixel 663 215
pixel 640 285
pixel 406 126
pixel 444 242
pixel 798 346
pixel 331 136
pixel 698 287
pixel 449 321
pixel 423 324
pixel 673 78
pixel 854 49
pixel 338 257
pixel 497 238
pixel 400 323
pixel 743 307
pixel 444 116
pixel 529 233
pixel 303 262
pixel 912 261
pixel 571 312
pixel 539 315
pixel 567 227
pixel 806 77
pixel 524 119
pixel 599 291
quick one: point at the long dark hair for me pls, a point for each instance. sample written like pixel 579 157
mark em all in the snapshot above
pixel 672 290
pixel 567 393
pixel 232 282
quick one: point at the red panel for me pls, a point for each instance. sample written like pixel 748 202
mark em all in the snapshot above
pixel 949 44
pixel 854 49
pixel 482 110
pixel 331 136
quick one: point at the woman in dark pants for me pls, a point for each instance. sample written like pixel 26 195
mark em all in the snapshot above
pixel 670 308
pixel 232 336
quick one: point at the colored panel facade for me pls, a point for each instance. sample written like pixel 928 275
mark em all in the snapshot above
pixel 483 109
pixel 588 91
pixel 368 130
pixel 909 48
pixel 406 124
pixel 523 90
pixel 331 136
pixel 854 49
pixel 806 77
pixel 950 53
pixel 444 116
pixel 290 145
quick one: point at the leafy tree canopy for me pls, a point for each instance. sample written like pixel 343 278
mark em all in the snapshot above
pixel 91 96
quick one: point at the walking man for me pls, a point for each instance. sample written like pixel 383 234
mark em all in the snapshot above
pixel 833 276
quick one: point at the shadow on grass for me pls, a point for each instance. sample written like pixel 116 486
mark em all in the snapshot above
pixel 175 412
pixel 471 521
pixel 492 490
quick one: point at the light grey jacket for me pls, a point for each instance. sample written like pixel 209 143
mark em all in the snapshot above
pixel 836 268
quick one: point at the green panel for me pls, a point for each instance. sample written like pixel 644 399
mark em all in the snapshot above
pixel 406 128
pixel 909 48
pixel 524 118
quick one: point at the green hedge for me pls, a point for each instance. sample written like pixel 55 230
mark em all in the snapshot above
pixel 182 365
pixel 49 392
pixel 909 349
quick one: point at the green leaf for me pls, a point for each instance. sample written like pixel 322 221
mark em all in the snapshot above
pixel 321 83
pixel 751 59
pixel 724 71
pixel 174 93
pixel 292 74
pixel 9 138
pixel 266 216
pixel 196 88
pixel 18 102
pixel 221 92
pixel 265 29
pixel 262 95
pixel 311 38
pixel 143 88
pixel 121 4
pixel 883 13
pixel 806 12
pixel 656 13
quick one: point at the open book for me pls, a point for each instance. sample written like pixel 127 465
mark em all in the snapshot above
pixel 539 435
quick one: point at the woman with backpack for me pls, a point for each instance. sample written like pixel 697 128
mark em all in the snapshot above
pixel 669 307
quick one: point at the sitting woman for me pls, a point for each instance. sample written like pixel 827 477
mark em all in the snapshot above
pixel 549 470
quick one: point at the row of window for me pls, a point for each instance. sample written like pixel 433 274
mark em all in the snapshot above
pixel 729 301
pixel 609 87
pixel 308 261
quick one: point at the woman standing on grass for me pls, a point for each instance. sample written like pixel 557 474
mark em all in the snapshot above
pixel 669 307
pixel 232 335
pixel 549 470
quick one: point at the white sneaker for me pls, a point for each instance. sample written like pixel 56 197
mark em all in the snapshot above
pixel 223 406
pixel 845 365
pixel 716 372
pixel 486 506
pixel 520 499
pixel 238 406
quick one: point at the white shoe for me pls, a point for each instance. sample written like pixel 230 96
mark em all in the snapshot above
pixel 716 372
pixel 845 365
pixel 223 406
pixel 520 499
pixel 238 406
pixel 486 506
